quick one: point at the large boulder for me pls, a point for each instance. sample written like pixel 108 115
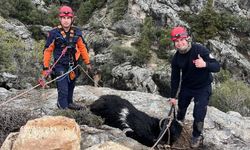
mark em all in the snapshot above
pixel 108 146
pixel 48 133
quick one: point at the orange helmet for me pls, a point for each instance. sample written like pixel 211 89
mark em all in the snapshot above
pixel 178 32
pixel 66 11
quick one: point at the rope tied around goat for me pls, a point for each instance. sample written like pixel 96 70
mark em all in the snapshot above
pixel 166 125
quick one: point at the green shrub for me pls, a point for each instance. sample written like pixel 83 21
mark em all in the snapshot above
pixel 8 46
pixel 184 2
pixel 204 25
pixel 208 24
pixel 119 9
pixel 11 121
pixel 87 8
pixel 36 32
pixel 15 59
pixel 24 11
pixel 143 45
pixel 165 44
pixel 223 75
pixel 121 54
pixel 82 117
pixel 52 16
pixel 84 12
pixel 106 70
pixel 232 95
pixel 244 46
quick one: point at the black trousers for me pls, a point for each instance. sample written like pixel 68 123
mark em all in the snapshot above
pixel 201 98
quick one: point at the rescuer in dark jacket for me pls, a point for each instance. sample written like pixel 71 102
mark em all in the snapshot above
pixel 192 65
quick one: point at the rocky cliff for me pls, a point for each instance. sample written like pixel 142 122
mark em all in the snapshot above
pixel 223 131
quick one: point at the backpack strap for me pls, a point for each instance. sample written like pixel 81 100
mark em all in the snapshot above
pixel 71 34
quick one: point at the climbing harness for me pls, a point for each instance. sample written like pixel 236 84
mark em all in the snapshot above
pixel 65 48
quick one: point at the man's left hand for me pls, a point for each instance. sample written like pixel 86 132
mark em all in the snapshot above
pixel 89 66
pixel 90 70
pixel 199 63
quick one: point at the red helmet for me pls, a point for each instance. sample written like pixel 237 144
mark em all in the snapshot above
pixel 66 11
pixel 178 32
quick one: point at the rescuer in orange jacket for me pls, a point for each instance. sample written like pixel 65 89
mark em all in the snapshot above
pixel 66 44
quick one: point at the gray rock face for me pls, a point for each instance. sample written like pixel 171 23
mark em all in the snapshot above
pixel 3 94
pixel 128 26
pixel 19 30
pixel 40 4
pixel 231 59
pixel 129 77
pixel 7 80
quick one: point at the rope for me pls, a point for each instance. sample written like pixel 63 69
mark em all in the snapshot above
pixel 50 69
pixel 89 77
pixel 21 94
pixel 171 114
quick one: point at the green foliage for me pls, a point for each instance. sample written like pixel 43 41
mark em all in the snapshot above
pixel 15 59
pixel 85 11
pixel 143 46
pixel 24 11
pixel 142 55
pixel 49 2
pixel 244 46
pixel 204 24
pixel 36 32
pixel 87 8
pixel 165 43
pixel 223 75
pixel 184 2
pixel 119 9
pixel 232 95
pixel 37 53
pixel 82 117
pixel 208 24
pixel 106 72
pixel 8 45
pixel 242 25
pixel 52 16
pixel 121 54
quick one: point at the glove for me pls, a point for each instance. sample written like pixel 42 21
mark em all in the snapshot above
pixel 173 101
pixel 46 72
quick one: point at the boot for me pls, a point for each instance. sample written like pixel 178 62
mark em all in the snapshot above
pixel 196 141
pixel 74 106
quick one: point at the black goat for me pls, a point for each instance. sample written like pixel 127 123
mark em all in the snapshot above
pixel 121 114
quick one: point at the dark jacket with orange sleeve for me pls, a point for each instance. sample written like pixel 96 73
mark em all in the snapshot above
pixel 57 40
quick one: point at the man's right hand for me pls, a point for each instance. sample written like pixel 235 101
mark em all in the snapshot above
pixel 173 101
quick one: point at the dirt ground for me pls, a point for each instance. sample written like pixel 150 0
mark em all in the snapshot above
pixel 183 143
